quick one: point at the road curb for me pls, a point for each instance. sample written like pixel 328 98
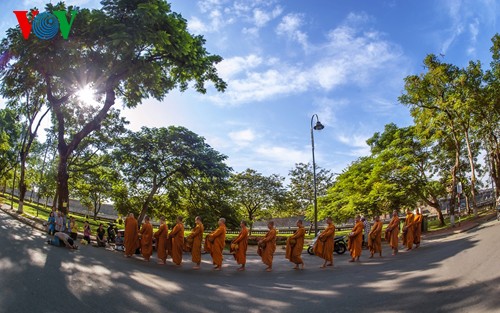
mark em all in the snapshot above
pixel 33 222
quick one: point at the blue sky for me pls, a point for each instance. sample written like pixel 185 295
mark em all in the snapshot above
pixel 287 60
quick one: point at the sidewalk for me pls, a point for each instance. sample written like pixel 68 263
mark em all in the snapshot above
pixel 459 227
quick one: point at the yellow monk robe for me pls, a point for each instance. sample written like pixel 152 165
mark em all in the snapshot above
pixel 324 244
pixel 197 236
pixel 356 240
pixel 270 246
pixel 217 241
pixel 417 227
pixel 240 254
pixel 392 232
pixel 131 236
pixel 408 231
pixel 146 240
pixel 177 237
pixel 295 245
pixel 161 236
pixel 375 238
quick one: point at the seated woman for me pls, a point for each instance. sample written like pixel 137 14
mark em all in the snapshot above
pixel 62 240
pixel 100 236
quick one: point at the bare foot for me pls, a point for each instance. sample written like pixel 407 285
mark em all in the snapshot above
pixel 371 256
pixel 196 267
pixel 269 269
pixel 302 266
pixel 161 262
pixel 352 260
pixel 323 266
pixel 241 269
pixel 217 268
pixel 329 264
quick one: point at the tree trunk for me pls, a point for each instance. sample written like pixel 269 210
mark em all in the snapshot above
pixel 473 174
pixel 62 182
pixel 145 205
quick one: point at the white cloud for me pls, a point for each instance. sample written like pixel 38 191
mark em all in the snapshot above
pixel 243 137
pixel 283 155
pixel 348 55
pixel 228 68
pixel 195 25
pixel 290 26
pixel 356 142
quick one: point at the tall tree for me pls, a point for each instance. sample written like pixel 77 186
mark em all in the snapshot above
pixel 301 188
pixel 254 192
pixel 166 161
pixel 128 49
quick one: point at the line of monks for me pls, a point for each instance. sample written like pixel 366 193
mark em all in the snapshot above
pixel 174 244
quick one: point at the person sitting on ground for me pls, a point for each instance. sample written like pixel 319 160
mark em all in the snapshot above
pixel 86 233
pixel 62 239
pixel 111 233
pixel 100 236
pixel 119 242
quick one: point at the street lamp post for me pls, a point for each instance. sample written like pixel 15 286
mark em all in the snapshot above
pixel 318 126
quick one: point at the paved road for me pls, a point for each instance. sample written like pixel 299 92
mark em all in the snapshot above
pixel 458 274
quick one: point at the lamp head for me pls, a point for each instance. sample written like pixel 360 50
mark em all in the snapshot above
pixel 318 126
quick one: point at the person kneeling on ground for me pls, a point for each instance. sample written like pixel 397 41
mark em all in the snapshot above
pixel 100 236
pixel 62 240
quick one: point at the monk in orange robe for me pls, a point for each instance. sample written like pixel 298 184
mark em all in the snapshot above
pixel 217 240
pixel 408 230
pixel 177 237
pixel 417 228
pixel 295 245
pixel 267 246
pixel 355 243
pixel 131 235
pixel 195 238
pixel 239 246
pixel 324 245
pixel 375 238
pixel 392 232
pixel 161 236
pixel 146 235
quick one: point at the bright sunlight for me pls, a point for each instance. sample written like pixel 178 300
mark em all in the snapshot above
pixel 87 95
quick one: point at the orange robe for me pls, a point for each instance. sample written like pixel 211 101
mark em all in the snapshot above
pixel 146 240
pixel 324 245
pixel 217 240
pixel 242 241
pixel 197 236
pixel 392 232
pixel 375 238
pixel 131 236
pixel 417 227
pixel 294 251
pixel 356 240
pixel 177 237
pixel 161 236
pixel 408 231
pixel 270 246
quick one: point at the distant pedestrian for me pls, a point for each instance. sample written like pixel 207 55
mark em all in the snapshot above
pixel 267 247
pixel 239 246
pixel 324 245
pixel 295 245
pixel 86 232
pixel 146 237
pixel 215 242
pixel 367 227
pixel 194 240
pixel 356 240
pixel 161 236
pixel 176 236
pixel 375 238
pixel 417 228
pixel 131 235
pixel 392 232
pixel 51 224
